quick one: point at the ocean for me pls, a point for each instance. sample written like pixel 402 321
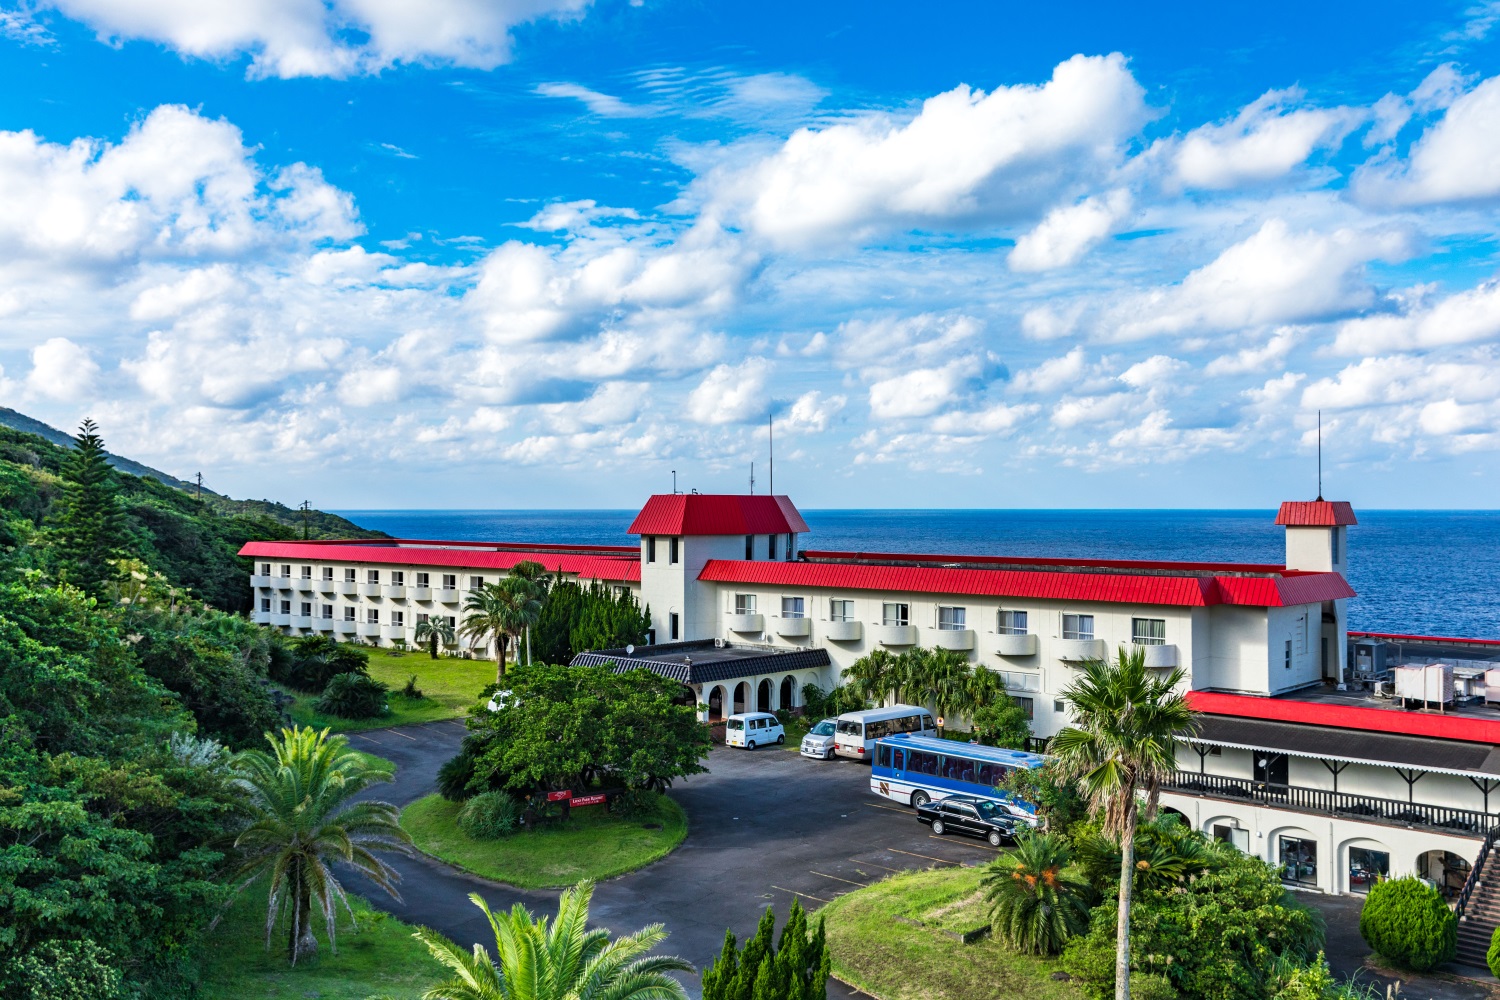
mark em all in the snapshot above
pixel 1417 572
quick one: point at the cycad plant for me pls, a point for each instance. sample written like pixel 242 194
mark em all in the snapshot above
pixel 432 630
pixel 302 822
pixel 1035 907
pixel 561 959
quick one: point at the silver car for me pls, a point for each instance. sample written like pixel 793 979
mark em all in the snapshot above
pixel 819 740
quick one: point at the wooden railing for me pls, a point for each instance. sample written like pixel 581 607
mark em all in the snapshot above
pixel 1476 872
pixel 1328 803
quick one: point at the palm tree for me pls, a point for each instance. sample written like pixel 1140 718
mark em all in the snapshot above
pixel 434 629
pixel 1034 906
pixel 535 575
pixel 302 821
pixel 872 675
pixel 501 611
pixel 563 961
pixel 1123 745
pixel 1167 851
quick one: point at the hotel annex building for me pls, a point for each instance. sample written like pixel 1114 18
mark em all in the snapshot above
pixel 1296 759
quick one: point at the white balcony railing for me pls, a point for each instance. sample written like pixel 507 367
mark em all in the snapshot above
pixel 398 591
pixel 348 588
pixel 895 635
pixel 1078 650
pixel 328 587
pixel 369 630
pixel 393 631
pixel 951 638
pixel 281 620
pixel 1160 657
pixel 343 627
pixel 281 582
pixel 447 595
pixel 1025 644
pixel 369 589
pixel 748 622
pixel 843 631
pixel 256 580
pixel 419 593
pixel 322 624
pixel 304 584
pixel 301 621
pixel 793 628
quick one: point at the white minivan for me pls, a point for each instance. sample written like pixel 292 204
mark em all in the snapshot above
pixel 753 729
pixel 858 731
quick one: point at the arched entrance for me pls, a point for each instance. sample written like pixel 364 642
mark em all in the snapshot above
pixel 716 704
pixel 788 692
pixel 763 696
pixel 1444 869
pixel 741 693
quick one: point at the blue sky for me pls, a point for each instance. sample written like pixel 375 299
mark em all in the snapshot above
pixel 539 253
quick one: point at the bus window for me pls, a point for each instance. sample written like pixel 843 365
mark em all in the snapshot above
pixel 963 770
pixel 883 755
pixel 875 730
pixel 900 756
pixel 851 727
pixel 923 762
pixel 987 775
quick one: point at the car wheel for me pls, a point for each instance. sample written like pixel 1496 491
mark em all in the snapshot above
pixel 994 838
pixel 937 827
pixel 781 739
pixel 750 745
pixel 920 798
pixel 832 753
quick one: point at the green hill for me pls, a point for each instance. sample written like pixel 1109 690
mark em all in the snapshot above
pixel 192 540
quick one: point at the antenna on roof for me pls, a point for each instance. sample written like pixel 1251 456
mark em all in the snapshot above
pixel 771 437
pixel 752 478
pixel 1320 454
pixel 674 482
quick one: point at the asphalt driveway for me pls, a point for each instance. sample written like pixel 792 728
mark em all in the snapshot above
pixel 765 827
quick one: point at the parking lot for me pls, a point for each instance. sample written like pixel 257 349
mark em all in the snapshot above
pixel 767 826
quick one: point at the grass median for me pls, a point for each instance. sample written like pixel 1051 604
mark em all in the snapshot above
pixel 449 685
pixel 591 844
pixel 902 939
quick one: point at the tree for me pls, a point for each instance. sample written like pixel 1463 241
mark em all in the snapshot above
pixel 1034 906
pixel 499 612
pixel 609 621
pixel 558 960
pixel 1408 922
pixel 794 967
pixel 1167 850
pixel 88 519
pixel 1001 724
pixel 873 675
pixel 1123 745
pixel 432 630
pixel 302 821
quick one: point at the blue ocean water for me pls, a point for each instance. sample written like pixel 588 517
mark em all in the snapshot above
pixel 1422 572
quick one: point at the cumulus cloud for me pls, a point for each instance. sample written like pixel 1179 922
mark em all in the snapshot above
pixel 1455 160
pixel 812 412
pixel 922 392
pixel 1257 358
pixel 732 394
pixel 1269 138
pixel 966 153
pixel 334 38
pixel 61 370
pixel 1462 318
pixel 1067 233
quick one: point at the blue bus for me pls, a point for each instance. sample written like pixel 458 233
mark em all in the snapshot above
pixel 913 769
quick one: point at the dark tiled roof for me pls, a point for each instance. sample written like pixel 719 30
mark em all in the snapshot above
pixel 703 662
pixel 1351 744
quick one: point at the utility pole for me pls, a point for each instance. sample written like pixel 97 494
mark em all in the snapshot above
pixel 771 437
pixel 1320 456
pixel 752 479
pixel 304 507
pixel 200 485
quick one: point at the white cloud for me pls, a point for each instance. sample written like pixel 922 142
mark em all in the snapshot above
pixel 1067 233
pixel 1156 372
pixel 893 343
pixel 1270 137
pixel 1255 359
pixel 61 370
pixel 920 393
pixel 1004 154
pixel 812 412
pixel 1000 419
pixel 337 38
pixel 1463 318
pixel 1456 160
pixel 1053 374
pixel 732 394
pixel 604 105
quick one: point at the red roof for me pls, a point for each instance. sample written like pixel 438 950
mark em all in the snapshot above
pixel 1315 513
pixel 586 565
pixel 997 562
pixel 1399 637
pixel 1115 588
pixel 1382 720
pixel 717 514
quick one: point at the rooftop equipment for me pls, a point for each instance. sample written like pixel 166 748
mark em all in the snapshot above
pixel 1428 683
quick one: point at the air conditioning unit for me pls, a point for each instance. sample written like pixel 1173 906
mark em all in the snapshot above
pixel 718 643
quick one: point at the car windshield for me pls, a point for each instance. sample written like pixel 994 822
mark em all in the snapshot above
pixel 824 728
pixel 735 724
pixel 989 810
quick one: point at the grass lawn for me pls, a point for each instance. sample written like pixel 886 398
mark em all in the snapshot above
pixel 898 940
pixel 381 958
pixel 449 684
pixel 593 844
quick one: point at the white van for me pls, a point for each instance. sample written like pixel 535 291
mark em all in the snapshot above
pixel 858 731
pixel 753 729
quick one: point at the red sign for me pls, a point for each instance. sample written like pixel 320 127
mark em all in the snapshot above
pixel 590 800
pixel 559 796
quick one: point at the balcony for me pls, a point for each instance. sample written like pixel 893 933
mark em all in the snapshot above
pixel 369 630
pixel 304 584
pixel 398 591
pixel 952 638
pixel 343 627
pixel 281 582
pixel 322 624
pixel 369 590
pixel 895 635
pixel 1024 644
pixel 750 622
pixel 843 631
pixel 1078 650
pixel 1160 657
pixel 301 621
pixel 393 631
pixel 348 588
pixel 328 586
pixel 281 620
pixel 448 595
pixel 261 617
pixel 793 628
pixel 419 593
pixel 1365 808
pixel 256 580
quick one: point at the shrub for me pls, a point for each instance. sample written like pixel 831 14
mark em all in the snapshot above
pixel 71 970
pixel 489 816
pixel 317 659
pixel 635 803
pixel 411 690
pixel 1034 906
pixel 454 777
pixel 1406 921
pixel 1150 986
pixel 1492 957
pixel 795 965
pixel 353 696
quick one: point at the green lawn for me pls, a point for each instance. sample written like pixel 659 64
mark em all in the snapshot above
pixel 449 684
pixel 898 939
pixel 593 844
pixel 381 958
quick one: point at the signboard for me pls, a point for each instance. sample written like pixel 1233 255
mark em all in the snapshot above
pixel 590 800
pixel 559 796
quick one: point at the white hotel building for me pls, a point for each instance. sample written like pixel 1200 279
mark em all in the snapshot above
pixel 1295 760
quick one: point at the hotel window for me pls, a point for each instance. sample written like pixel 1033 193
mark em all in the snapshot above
pixel 674 625
pixel 771 541
pixel 650 548
pixel 1059 707
pixel 421 618
pixel 328 572
pixel 286 569
pixel 793 607
pixel 749 546
pixel 840 610
pixel 450 581
pixel 398 618
pixel 348 614
pixel 286 607
pixel 265 569
pixel 398 578
pixel 951 619
pixel 1302 633
pixel 1011 623
pixel 1078 627
pixel 1288 654
pixel 672 548
pixel 1148 631
pixel 372 616
pixel 1333 541
pixel 744 604
pixel 348 576
pixel 424 580
pixel 895 614
pixel 791 546
pixel 306 609
pixel 372 576
pixel 265 605
pixel 328 611
pixel 1028 705
pixel 1016 680
pixel 452 622
pixel 307 572
pixel 476 582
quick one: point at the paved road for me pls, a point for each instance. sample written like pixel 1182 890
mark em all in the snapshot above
pixel 766 827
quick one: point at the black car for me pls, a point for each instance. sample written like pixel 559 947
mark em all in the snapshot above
pixel 966 814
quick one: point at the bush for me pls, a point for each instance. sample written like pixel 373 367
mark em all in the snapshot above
pixel 1150 986
pixel 635 803
pixel 71 970
pixel 454 777
pixel 490 815
pixel 1407 921
pixel 1492 957
pixel 317 659
pixel 353 696
pixel 411 690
